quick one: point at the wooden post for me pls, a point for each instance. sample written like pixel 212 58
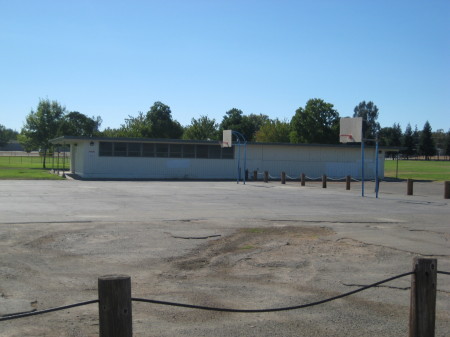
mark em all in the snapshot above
pixel 409 187
pixel 283 177
pixel 255 175
pixel 348 179
pixel 447 190
pixel 324 181
pixel 266 176
pixel 423 298
pixel 114 294
pixel 303 179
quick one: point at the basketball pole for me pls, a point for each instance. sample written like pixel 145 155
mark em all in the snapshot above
pixel 377 182
pixel 362 166
pixel 240 137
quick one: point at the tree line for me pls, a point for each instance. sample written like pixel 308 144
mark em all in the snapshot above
pixel 316 122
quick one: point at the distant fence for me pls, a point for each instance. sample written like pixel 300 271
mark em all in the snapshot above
pixel 57 161
pixel 115 302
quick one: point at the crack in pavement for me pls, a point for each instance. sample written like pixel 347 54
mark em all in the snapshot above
pixel 393 248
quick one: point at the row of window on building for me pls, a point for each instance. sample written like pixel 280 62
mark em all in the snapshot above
pixel 163 150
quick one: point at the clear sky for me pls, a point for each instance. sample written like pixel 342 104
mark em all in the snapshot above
pixel 203 57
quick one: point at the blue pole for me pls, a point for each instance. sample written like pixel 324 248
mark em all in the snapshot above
pixel 376 170
pixel 362 167
pixel 239 163
pixel 245 160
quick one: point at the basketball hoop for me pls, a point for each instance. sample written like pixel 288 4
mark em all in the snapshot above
pixel 224 144
pixel 346 138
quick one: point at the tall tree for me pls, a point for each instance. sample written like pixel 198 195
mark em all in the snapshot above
pixel 318 122
pixel 253 123
pixel 408 142
pixel 162 124
pixel 233 120
pixel 369 112
pixel 202 128
pixel 426 142
pixel 447 144
pixel 42 125
pixel 274 131
pixel 439 140
pixel 136 127
pixel 6 135
pixel 391 136
pixel 78 124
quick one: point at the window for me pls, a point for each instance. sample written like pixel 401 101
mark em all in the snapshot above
pixel 175 150
pixel 162 150
pixel 106 149
pixel 134 149
pixel 148 150
pixel 202 151
pixel 120 149
pixel 188 151
pixel 214 151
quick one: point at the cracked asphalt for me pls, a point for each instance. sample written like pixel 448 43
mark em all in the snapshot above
pixel 220 244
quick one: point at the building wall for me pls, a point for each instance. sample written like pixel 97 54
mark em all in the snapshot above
pixel 335 162
pixel 94 166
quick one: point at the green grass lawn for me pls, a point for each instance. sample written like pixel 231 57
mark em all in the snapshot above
pixel 418 169
pixel 15 167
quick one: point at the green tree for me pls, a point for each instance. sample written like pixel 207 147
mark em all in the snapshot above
pixel 369 112
pixel 42 125
pixel 408 142
pixel 233 120
pixel 78 124
pixel 391 136
pixel 439 137
pixel 6 135
pixel 318 122
pixel 252 124
pixel 274 131
pixel 135 127
pixel 447 144
pixel 162 125
pixel 426 142
pixel 202 128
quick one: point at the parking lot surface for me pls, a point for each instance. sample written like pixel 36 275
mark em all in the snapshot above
pixel 221 244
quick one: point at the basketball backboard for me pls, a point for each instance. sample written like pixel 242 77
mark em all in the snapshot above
pixel 350 130
pixel 227 140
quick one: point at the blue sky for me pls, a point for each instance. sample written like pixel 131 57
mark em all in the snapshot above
pixel 116 58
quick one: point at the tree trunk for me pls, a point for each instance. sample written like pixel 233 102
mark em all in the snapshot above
pixel 45 156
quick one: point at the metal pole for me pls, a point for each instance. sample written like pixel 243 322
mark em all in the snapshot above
pixel 376 170
pixel 245 158
pixel 362 167
pixel 396 169
pixel 239 163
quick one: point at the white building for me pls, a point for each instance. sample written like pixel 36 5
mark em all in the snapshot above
pixel 138 158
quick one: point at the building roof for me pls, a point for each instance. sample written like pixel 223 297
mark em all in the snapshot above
pixel 74 139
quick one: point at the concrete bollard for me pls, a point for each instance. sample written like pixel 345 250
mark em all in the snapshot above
pixel 303 179
pixel 348 179
pixel 409 187
pixel 447 190
pixel 324 181
pixel 283 178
